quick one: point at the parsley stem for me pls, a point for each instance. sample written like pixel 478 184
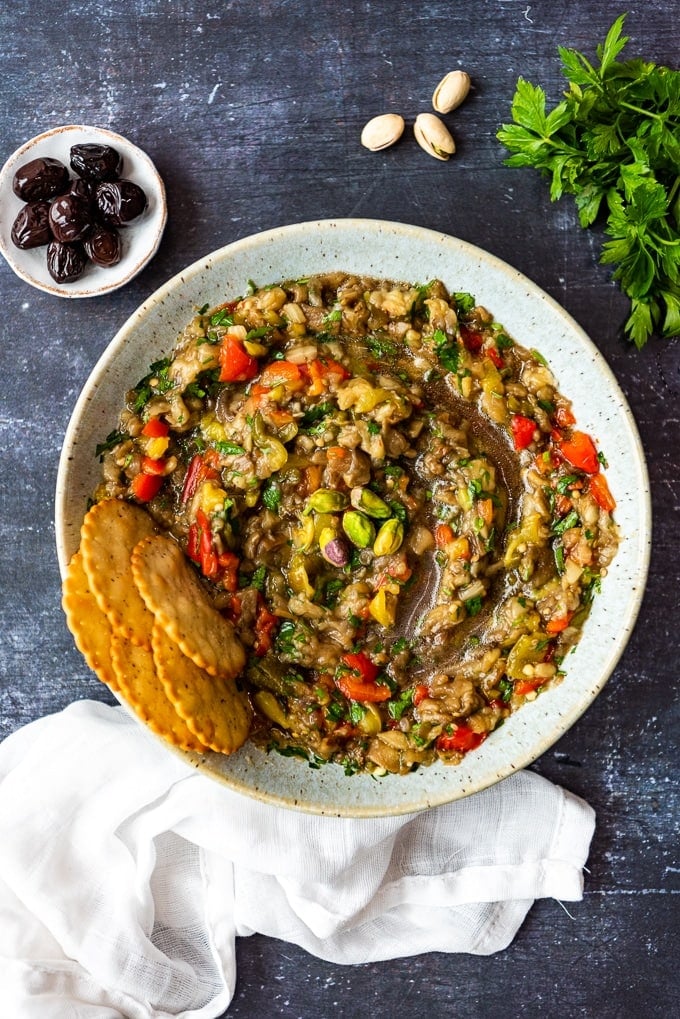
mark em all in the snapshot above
pixel 663 240
pixel 638 109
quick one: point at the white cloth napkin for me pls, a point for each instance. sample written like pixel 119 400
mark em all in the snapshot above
pixel 125 876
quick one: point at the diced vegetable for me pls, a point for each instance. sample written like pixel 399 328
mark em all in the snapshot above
pixel 599 489
pixel 236 365
pixel 579 450
pixel 155 428
pixel 523 429
pixel 461 739
pixel 146 486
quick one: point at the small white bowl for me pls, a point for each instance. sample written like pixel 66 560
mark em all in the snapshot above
pixel 140 240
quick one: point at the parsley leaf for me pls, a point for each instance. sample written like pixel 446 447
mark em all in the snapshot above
pixel 613 144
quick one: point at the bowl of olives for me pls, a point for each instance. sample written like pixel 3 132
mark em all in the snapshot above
pixel 82 211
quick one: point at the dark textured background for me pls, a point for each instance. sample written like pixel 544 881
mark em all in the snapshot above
pixel 252 113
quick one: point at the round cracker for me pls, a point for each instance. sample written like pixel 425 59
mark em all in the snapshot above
pixel 89 625
pixel 110 531
pixel 172 591
pixel 214 709
pixel 140 686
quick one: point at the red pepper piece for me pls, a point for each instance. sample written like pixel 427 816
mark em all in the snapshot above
pixel 156 429
pixel 358 690
pixel 525 686
pixel 462 739
pixel 151 466
pixel 599 489
pixel 228 563
pixel 202 468
pixel 522 429
pixel 362 664
pixel 236 364
pixel 564 417
pixel 472 339
pixel 206 549
pixel 420 692
pixel 265 624
pixel 146 486
pixel 359 683
pixel 495 356
pixel 579 449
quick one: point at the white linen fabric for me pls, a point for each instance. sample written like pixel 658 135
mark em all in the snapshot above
pixel 126 876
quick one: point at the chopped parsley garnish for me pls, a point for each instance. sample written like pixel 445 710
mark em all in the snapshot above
pixel 256 334
pixel 399 511
pixel 222 318
pixel 473 606
pixel 572 519
pixel 565 483
pixel 505 687
pixel 447 350
pixel 503 341
pixel 258 579
pixel 316 414
pixel 464 302
pixel 381 347
pixel 156 382
pixel 111 440
pixel 228 448
pixel 271 495
pixel 331 590
pixel 396 708
pixel 356 712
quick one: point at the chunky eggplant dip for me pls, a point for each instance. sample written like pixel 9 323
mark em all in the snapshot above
pixel 389 499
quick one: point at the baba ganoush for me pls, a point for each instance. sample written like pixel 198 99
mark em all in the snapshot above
pixel 389 498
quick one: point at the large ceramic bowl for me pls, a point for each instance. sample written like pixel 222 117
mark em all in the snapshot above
pixel 406 253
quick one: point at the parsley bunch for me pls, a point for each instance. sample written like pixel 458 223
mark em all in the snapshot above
pixel 614 144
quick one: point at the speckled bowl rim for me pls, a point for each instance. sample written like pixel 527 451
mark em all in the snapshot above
pixel 143 238
pixel 395 250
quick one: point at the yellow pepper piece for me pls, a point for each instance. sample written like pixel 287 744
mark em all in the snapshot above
pixel 156 448
pixel 383 607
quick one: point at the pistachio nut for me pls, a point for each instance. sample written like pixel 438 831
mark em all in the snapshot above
pixel 383 131
pixel 303 536
pixel 326 500
pixel 389 537
pixel 451 91
pixel 433 136
pixel 333 547
pixel 358 528
pixel 368 502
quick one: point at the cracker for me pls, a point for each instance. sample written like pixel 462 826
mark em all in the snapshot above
pixel 172 591
pixel 89 625
pixel 108 535
pixel 214 709
pixel 140 686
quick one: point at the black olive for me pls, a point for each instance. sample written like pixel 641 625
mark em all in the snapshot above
pixel 96 162
pixel 65 262
pixel 31 228
pixel 103 246
pixel 40 179
pixel 82 189
pixel 119 202
pixel 70 218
